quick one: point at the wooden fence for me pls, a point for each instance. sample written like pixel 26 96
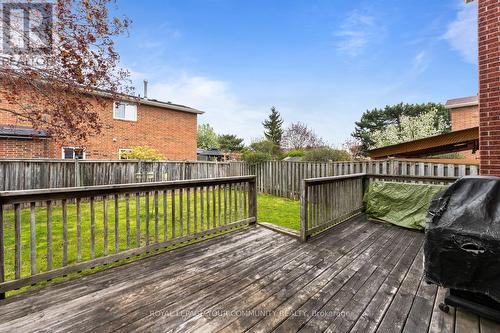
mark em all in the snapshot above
pixel 39 173
pixel 328 201
pixel 49 233
pixel 283 178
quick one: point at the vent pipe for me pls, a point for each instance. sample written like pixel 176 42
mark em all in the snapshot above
pixel 145 88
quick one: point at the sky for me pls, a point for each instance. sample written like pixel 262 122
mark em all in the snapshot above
pixel 320 62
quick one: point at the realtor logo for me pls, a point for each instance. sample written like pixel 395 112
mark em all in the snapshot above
pixel 26 27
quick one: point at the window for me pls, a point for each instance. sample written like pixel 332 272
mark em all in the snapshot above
pixel 73 153
pixel 121 151
pixel 125 111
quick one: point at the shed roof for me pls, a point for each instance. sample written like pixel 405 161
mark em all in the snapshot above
pixel 439 144
pixel 7 131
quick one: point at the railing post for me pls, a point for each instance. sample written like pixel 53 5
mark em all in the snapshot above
pixel 303 211
pixel 252 198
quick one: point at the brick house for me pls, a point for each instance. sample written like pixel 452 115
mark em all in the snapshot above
pixel 464 114
pixel 128 122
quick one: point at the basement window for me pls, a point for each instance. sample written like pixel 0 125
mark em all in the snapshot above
pixel 123 151
pixel 125 111
pixel 73 153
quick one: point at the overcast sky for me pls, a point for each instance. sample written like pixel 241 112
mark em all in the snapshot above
pixel 319 62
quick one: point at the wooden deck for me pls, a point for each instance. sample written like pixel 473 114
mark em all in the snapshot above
pixel 358 277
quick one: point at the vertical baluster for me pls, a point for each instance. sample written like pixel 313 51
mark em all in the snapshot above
pixel 188 203
pixel 65 231
pixel 78 229
pixel 32 238
pixel 214 210
pixel 240 204
pixel 225 204
pixel 173 212
pixel 92 228
pixel 127 220
pixel 219 222
pixel 230 203
pixel 137 219
pixel 202 208
pixel 117 224
pixel 147 211
pixel 236 212
pixel 105 223
pixel 208 207
pixel 195 218
pixel 2 251
pixel 164 215
pixel 181 209
pixel 245 199
pixel 156 215
pixel 17 231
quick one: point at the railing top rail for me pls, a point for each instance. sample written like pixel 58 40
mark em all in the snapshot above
pixel 406 177
pixel 8 197
pixel 322 180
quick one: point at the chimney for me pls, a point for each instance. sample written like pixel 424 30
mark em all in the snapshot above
pixel 145 88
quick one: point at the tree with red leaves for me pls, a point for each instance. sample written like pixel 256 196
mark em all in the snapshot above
pixel 67 69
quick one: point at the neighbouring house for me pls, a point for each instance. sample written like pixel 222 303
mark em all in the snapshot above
pixel 463 137
pixel 130 121
pixel 213 154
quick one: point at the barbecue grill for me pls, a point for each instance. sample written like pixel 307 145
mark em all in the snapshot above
pixel 462 245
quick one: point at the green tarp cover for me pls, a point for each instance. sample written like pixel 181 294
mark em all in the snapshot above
pixel 403 204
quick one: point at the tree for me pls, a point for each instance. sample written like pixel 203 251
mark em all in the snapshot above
pixel 326 154
pixel 273 127
pixel 353 147
pixel 299 136
pixel 207 138
pixel 409 129
pixel 377 119
pixel 230 143
pixel 261 150
pixel 49 80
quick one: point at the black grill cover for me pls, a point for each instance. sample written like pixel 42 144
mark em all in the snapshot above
pixel 462 237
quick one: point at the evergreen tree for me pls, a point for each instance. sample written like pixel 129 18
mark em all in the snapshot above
pixel 230 143
pixel 273 127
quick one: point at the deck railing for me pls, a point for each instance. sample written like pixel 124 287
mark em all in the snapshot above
pixel 328 201
pixel 53 232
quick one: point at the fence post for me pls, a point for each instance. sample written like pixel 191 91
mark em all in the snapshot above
pixel 252 198
pixel 303 211
pixel 77 173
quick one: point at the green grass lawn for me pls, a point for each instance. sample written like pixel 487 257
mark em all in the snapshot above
pixel 279 211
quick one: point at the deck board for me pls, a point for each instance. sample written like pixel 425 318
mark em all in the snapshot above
pixel 359 276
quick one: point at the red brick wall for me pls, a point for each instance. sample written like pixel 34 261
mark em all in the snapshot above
pixel 466 117
pixel 489 86
pixel 25 148
pixel 172 133
pixel 462 118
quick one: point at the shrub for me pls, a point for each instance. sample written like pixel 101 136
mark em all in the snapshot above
pixel 256 157
pixel 143 153
pixel 295 153
pixel 326 154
